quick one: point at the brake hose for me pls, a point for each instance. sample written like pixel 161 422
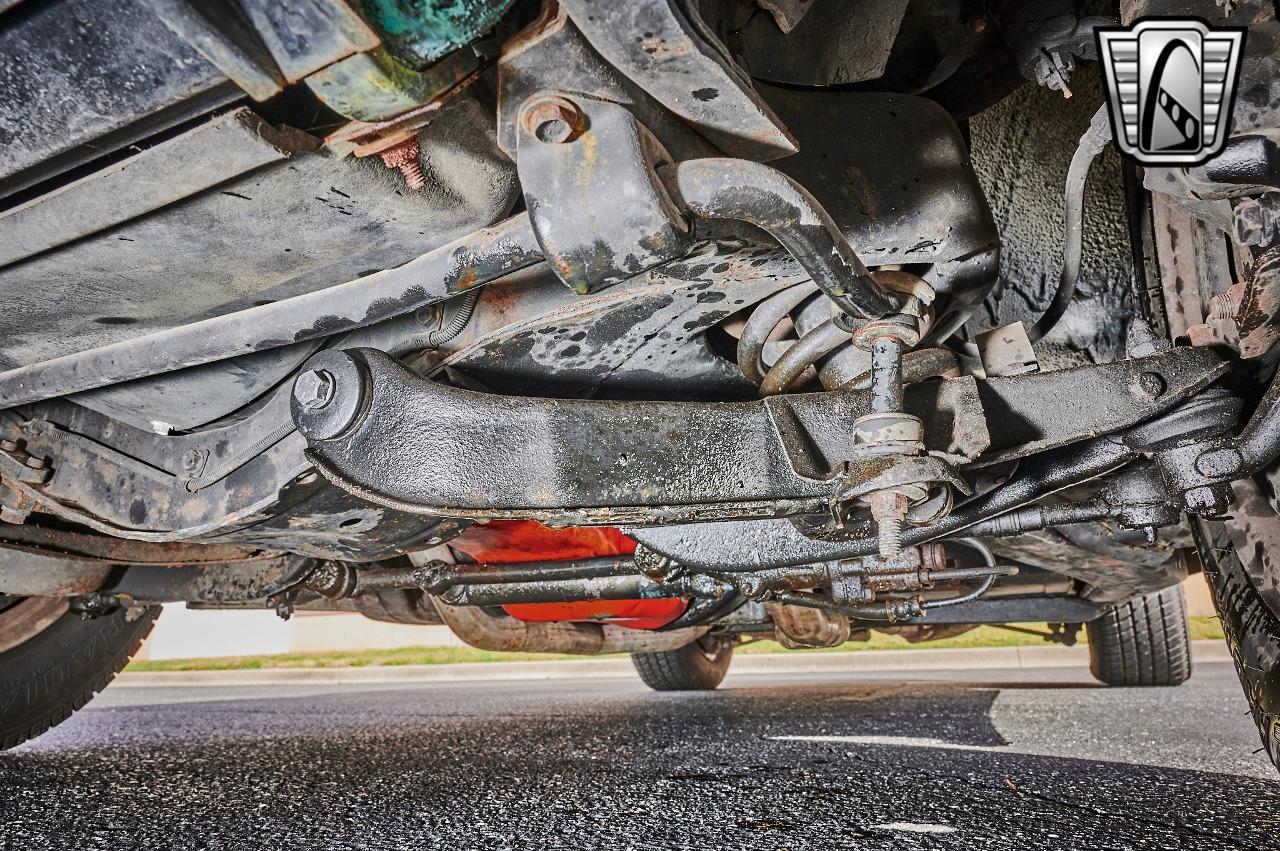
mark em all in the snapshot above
pixel 1091 144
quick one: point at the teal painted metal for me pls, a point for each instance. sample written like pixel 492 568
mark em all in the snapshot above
pixel 419 32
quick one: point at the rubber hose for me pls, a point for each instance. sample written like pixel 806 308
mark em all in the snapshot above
pixel 1091 144
pixel 466 308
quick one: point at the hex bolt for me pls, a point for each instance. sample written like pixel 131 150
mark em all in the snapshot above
pixel 313 389
pixel 404 157
pixel 8 445
pixel 889 510
pixel 554 120
pixel 35 463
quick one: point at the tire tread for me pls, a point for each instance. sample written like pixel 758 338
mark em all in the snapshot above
pixel 1144 642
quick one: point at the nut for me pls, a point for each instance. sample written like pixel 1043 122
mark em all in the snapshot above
pixel 554 120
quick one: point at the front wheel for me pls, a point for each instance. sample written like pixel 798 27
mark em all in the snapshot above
pixel 699 666
pixel 52 662
pixel 1144 642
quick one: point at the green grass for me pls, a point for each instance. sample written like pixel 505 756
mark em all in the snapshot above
pixel 984 636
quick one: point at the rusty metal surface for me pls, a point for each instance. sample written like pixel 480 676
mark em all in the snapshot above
pixel 29 573
pixel 254 580
pixel 83 78
pixel 673 58
pixel 1258 317
pixel 487 631
pixel 552 55
pixel 723 189
pixel 1176 235
pixel 800 626
pixel 119 550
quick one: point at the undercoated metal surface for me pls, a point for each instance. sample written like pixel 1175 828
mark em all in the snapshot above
pixel 83 78
pixel 471 261
pixel 286 229
pixel 550 55
pixel 734 190
pixel 728 545
pixel 599 211
pixel 215 152
pixel 657 45
pixel 421 446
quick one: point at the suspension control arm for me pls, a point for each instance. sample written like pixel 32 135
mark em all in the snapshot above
pixel 396 439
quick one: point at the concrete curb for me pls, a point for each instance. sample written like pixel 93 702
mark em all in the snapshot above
pixel 1030 657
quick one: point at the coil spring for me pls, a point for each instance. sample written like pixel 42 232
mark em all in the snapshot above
pixel 825 339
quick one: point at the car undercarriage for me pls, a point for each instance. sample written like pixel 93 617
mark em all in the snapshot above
pixel 653 327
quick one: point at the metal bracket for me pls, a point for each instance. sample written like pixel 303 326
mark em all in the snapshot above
pixel 599 211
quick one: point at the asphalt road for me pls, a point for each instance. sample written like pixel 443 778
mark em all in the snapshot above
pixel 975 759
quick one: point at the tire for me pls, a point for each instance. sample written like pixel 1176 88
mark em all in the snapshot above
pixel 1252 630
pixel 1144 642
pixel 699 666
pixel 56 671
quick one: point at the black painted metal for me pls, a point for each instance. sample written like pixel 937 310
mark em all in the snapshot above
pixel 767 198
pixel 726 546
pixel 396 439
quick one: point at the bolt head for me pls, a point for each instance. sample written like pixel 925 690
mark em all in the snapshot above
pixel 313 389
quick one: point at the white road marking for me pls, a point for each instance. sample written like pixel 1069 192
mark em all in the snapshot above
pixel 915 827
pixel 895 741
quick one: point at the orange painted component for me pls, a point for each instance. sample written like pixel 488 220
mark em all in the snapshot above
pixel 525 540
pixel 634 614
pixel 501 541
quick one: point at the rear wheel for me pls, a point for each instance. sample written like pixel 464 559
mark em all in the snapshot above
pixel 52 662
pixel 699 666
pixel 1144 642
